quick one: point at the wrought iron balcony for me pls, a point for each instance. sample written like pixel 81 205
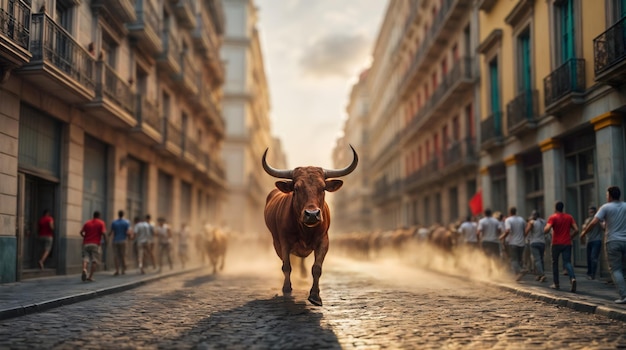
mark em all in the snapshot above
pixel 191 149
pixel 149 121
pixel 522 112
pixel 460 154
pixel 491 130
pixel 200 35
pixel 609 54
pixel 188 77
pixel 146 30
pixel 59 64
pixel 169 59
pixel 173 135
pixel 184 11
pixel 121 10
pixel 115 100
pixel 565 85
pixel 15 31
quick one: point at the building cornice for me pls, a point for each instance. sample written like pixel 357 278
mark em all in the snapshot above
pixel 494 38
pixel 549 144
pixel 607 119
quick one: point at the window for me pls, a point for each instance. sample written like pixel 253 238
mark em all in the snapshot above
pixel 524 80
pixel 456 132
pixel 565 24
pixel 494 80
pixel 63 15
pixel 469 119
pixel 109 50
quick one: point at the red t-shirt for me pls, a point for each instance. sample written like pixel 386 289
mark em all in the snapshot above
pixel 94 230
pixel 44 226
pixel 561 224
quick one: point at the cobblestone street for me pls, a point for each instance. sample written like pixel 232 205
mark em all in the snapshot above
pixel 366 305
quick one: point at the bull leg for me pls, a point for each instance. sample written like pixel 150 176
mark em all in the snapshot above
pixel 316 271
pixel 286 271
pixel 302 268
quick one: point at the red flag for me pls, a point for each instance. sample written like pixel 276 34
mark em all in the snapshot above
pixel 476 203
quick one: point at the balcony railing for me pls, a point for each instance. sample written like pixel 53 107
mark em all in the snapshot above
pixel 191 147
pixel 114 87
pixel 189 74
pixel 15 21
pixel 462 151
pixel 52 43
pixel 174 134
pixel 609 48
pixel 568 78
pixel 148 113
pixel 146 30
pixel 491 129
pixel 522 110
pixel 170 57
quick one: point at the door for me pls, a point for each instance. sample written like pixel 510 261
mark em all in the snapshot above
pixel 135 189
pixel 38 195
pixel 495 95
pixel 95 179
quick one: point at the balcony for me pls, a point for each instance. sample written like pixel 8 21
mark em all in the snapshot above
pixel 459 156
pixel 456 84
pixel 425 175
pixel 59 64
pixel 145 31
pixel 121 10
pixel 609 54
pixel 187 80
pixel 200 35
pixel 169 59
pixel 386 191
pixel 522 113
pixel 14 34
pixel 115 100
pixel 149 127
pixel 444 26
pixel 190 150
pixel 184 12
pixel 172 138
pixel 491 131
pixel 565 86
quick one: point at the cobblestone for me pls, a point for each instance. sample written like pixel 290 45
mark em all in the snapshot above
pixel 366 307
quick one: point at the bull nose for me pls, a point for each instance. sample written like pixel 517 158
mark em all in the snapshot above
pixel 314 215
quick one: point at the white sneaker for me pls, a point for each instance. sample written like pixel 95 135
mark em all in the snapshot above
pixel 620 301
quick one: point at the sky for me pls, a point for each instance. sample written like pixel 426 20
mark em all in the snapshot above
pixel 313 52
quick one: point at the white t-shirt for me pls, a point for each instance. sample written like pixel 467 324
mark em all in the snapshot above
pixel 614 215
pixel 515 224
pixel 468 230
pixel 489 226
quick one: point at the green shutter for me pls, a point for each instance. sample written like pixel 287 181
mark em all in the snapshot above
pixel 622 9
pixel 567 31
pixel 525 69
pixel 495 93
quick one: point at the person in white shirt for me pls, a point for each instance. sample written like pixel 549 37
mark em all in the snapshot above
pixel 514 230
pixel 488 233
pixel 537 239
pixel 613 213
pixel 164 238
pixel 468 230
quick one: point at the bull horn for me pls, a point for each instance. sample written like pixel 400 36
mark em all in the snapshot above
pixel 279 173
pixel 345 171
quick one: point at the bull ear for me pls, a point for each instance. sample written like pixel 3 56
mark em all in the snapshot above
pixel 285 186
pixel 333 185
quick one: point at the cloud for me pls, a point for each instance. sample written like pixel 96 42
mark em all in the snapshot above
pixel 337 55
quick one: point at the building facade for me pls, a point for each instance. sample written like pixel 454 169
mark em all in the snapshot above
pixel 552 106
pixel 246 110
pixel 106 106
pixel 423 87
pixel 351 205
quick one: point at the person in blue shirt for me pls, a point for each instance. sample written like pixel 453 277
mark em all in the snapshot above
pixel 120 230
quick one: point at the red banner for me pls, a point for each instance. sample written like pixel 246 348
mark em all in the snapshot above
pixel 476 203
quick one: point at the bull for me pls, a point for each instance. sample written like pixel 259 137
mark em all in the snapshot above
pixel 298 217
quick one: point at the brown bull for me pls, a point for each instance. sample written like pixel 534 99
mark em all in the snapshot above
pixel 443 238
pixel 298 217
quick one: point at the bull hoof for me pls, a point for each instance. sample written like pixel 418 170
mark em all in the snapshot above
pixel 315 300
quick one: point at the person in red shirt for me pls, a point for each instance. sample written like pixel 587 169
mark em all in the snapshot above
pixel 93 232
pixel 563 229
pixel 46 228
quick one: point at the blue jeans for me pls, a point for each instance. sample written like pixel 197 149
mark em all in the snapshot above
pixel 616 252
pixel 566 250
pixel 538 249
pixel 593 255
pixel 516 258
